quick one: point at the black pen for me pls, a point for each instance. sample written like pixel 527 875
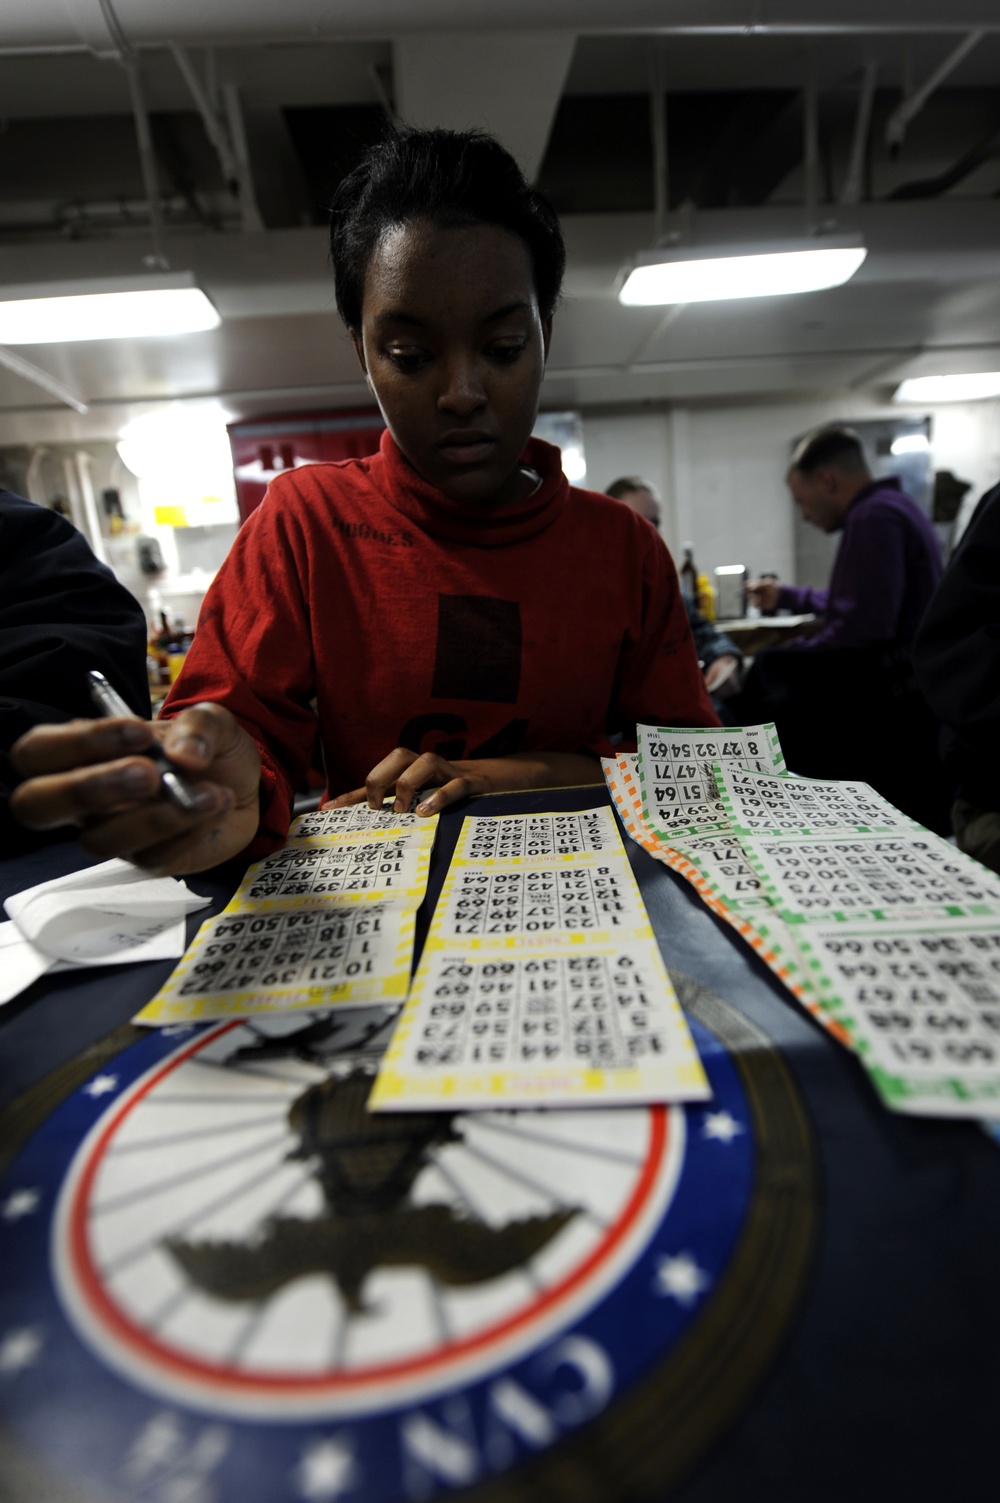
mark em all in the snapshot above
pixel 111 706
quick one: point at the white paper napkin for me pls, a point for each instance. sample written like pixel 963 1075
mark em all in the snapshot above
pixel 104 915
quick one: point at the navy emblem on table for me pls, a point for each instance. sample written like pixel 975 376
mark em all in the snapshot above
pixel 225 1280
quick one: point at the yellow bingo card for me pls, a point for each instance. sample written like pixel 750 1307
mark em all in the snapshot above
pixel 328 919
pixel 541 983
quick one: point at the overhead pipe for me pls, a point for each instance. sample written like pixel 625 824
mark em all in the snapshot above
pixel 249 211
pixel 49 17
pixel 129 59
pixel 230 146
pixel 810 145
pixel 895 130
pixel 34 373
pixel 851 191
pixel 932 187
pixel 658 131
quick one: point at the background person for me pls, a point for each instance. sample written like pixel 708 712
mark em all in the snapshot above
pixel 62 613
pixel 889 561
pixel 718 654
pixel 439 614
pixel 845 700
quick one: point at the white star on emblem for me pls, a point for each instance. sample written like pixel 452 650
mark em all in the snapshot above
pixel 19 1349
pixel 681 1279
pixel 20 1203
pixel 326 1470
pixel 101 1085
pixel 721 1126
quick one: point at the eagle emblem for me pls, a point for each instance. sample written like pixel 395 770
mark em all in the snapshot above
pixel 366 1166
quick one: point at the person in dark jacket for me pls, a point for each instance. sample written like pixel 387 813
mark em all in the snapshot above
pixel 845 700
pixel 956 655
pixel 889 560
pixel 61 614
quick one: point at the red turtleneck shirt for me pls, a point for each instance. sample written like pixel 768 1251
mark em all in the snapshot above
pixel 360 605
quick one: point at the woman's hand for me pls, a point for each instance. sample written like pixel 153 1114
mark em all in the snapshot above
pixel 91 773
pixel 406 772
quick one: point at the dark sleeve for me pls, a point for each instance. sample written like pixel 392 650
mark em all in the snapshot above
pixel 957 649
pixel 61 613
pixel 709 642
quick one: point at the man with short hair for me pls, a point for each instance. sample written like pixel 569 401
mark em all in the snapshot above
pixel 889 562
pixel 845 701
pixel 718 654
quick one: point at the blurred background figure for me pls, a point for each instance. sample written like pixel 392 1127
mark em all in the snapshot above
pixel 718 654
pixel 61 614
pixel 845 699
pixel 889 561
pixel 957 659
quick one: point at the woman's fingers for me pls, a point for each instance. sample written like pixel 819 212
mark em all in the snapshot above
pixel 407 773
pixel 346 800
pixel 386 776
pixel 450 793
pixel 426 771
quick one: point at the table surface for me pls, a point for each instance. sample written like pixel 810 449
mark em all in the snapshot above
pixel 888 1384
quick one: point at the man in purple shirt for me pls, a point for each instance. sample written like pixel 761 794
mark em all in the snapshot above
pixel 845 700
pixel 889 561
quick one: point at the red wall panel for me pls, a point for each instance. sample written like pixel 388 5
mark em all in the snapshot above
pixel 263 447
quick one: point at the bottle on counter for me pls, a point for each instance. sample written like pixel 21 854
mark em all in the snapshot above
pixel 689 574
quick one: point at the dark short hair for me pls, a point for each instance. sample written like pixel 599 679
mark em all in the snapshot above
pixel 833 447
pixel 626 485
pixel 452 178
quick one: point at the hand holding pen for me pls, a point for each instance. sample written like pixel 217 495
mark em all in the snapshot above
pixel 174 796
pixel 111 706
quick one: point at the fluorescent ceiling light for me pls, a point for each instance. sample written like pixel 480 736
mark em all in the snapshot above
pixel 731 569
pixel 709 274
pixel 105 308
pixel 910 443
pixel 969 388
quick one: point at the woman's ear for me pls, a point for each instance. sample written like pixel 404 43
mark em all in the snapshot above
pixel 546 336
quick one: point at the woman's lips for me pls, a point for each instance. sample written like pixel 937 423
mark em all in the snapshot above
pixel 462 452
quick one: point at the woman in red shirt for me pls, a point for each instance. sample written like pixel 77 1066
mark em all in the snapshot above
pixel 448 614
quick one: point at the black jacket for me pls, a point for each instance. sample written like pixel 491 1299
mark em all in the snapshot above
pixel 956 655
pixel 61 613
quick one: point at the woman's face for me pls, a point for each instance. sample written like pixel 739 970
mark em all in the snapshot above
pixel 454 348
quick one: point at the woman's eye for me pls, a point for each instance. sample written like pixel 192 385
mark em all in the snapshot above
pixel 507 352
pixel 407 360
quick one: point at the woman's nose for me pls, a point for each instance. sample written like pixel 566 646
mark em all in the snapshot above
pixel 463 391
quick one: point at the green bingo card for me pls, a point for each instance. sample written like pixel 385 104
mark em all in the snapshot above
pixel 920 1003
pixel 759 803
pixel 676 777
pixel 880 878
